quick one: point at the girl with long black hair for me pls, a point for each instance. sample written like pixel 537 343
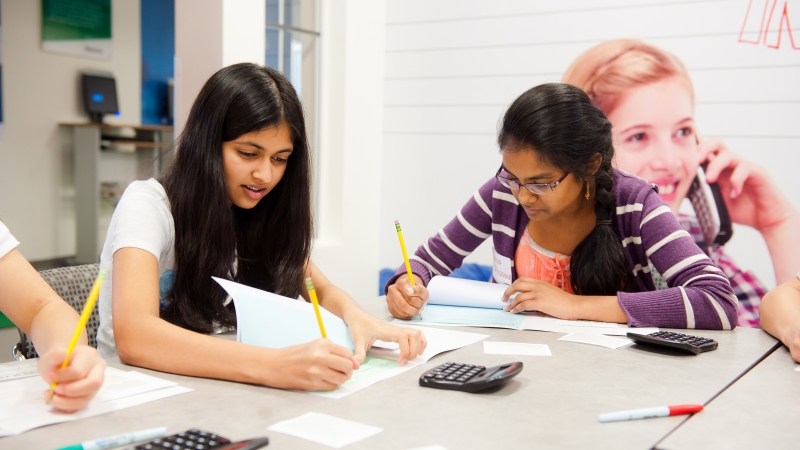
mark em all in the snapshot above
pixel 574 237
pixel 235 204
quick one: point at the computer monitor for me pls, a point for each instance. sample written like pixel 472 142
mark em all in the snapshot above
pixel 99 96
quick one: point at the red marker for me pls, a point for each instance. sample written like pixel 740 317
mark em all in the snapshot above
pixel 646 413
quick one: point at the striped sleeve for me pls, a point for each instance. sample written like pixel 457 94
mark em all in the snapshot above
pixel 445 251
pixel 698 295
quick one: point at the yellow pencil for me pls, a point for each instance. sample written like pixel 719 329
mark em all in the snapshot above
pixel 313 294
pixel 87 311
pixel 405 257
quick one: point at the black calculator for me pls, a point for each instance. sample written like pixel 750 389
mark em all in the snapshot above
pixel 188 440
pixel 468 377
pixel 678 341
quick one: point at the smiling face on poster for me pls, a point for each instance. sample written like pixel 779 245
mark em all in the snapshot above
pixel 649 98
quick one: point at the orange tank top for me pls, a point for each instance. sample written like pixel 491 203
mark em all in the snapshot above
pixel 533 261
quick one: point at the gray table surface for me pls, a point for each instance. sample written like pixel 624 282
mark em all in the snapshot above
pixel 760 410
pixel 553 403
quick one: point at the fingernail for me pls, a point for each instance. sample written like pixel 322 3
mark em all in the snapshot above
pixel 410 291
pixel 733 193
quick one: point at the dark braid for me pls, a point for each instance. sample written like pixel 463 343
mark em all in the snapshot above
pixel 598 265
pixel 560 123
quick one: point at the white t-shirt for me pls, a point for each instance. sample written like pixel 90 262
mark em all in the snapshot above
pixel 7 241
pixel 142 220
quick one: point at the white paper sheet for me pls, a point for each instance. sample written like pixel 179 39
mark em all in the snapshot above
pixel 596 339
pixel 381 362
pixel 18 369
pixel 439 341
pixel 516 348
pixel 324 429
pixel 450 291
pixel 24 396
pixel 429 447
pixel 460 316
pixel 269 320
pixel 22 405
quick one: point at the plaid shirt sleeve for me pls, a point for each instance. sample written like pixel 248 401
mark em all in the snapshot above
pixel 746 286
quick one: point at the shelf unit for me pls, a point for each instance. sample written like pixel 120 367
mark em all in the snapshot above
pixel 91 143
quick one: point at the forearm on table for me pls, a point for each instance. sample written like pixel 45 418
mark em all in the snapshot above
pixel 599 309
pixel 784 247
pixel 780 311
pixel 153 343
pixel 53 326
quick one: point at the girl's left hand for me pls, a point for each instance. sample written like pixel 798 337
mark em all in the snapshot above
pixel 750 194
pixel 366 329
pixel 538 295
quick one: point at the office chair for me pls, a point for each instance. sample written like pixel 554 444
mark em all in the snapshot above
pixel 73 284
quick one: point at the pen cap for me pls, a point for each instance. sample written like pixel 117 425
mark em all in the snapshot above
pixel 678 410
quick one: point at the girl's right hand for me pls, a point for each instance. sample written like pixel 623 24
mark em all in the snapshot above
pixel 405 300
pixel 319 365
pixel 78 382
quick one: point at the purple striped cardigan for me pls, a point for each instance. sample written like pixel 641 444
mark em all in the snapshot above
pixel 698 294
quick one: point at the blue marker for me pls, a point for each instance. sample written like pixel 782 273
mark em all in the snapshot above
pixel 118 440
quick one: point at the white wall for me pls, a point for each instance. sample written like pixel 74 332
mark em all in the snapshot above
pixel 209 35
pixel 453 66
pixel 351 133
pixel 39 90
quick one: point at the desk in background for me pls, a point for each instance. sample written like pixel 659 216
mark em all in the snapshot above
pixel 96 147
pixel 553 403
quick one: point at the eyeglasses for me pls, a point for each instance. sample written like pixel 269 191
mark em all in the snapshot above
pixel 534 188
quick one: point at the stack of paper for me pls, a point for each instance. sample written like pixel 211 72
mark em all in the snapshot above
pixel 469 303
pixel 273 321
pixel 23 407
pixel 269 320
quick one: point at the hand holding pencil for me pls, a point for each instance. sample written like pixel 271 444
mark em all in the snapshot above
pixel 75 373
pixel 406 297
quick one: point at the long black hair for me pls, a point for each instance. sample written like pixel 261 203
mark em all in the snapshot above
pixel 266 247
pixel 560 123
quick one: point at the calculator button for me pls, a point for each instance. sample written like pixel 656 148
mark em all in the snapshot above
pixel 480 367
pixel 462 379
pixel 430 375
pixel 450 378
pixel 439 377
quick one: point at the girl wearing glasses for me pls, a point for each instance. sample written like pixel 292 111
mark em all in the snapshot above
pixel 580 239
pixel 235 204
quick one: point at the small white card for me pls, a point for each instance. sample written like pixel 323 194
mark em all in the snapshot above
pixel 596 339
pixel 516 348
pixel 324 429
pixel 797 369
